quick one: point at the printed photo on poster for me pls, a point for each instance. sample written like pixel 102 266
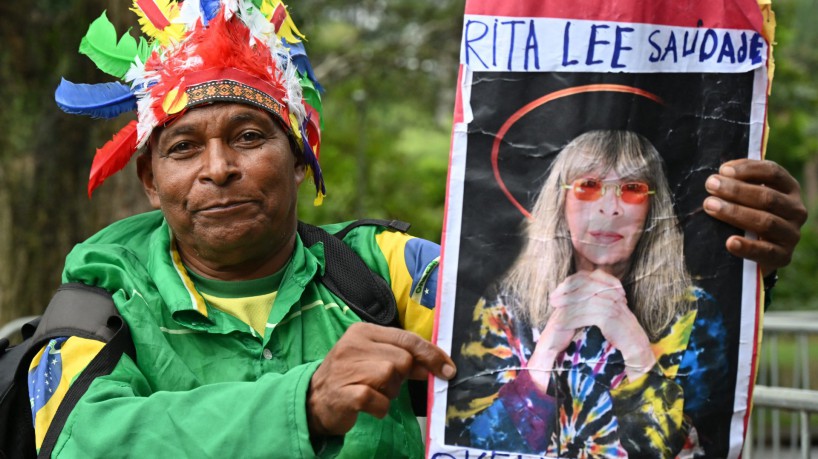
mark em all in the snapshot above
pixel 597 308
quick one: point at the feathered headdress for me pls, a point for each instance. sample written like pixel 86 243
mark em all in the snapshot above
pixel 198 51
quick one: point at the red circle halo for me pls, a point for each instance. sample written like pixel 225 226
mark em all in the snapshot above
pixel 524 110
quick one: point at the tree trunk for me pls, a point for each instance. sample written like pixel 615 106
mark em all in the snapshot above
pixel 45 155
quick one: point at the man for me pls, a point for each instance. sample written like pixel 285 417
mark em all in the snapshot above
pixel 228 318
pixel 240 350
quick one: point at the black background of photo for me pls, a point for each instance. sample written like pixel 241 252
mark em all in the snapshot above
pixel 704 122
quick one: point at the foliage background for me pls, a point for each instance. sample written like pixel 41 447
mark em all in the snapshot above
pixel 390 69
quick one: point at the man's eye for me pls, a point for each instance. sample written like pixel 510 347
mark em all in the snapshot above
pixel 250 136
pixel 181 146
pixel 181 149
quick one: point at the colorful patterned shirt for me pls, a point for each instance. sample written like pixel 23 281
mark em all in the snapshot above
pixel 591 409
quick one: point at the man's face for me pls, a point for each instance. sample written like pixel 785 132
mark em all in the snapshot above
pixel 226 180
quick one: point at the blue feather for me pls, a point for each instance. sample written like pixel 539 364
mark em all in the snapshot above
pixel 209 9
pixel 312 160
pixel 104 100
pixel 302 62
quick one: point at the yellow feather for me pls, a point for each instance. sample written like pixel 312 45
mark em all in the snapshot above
pixel 288 29
pixel 268 7
pixel 170 34
pixel 319 199
pixel 296 131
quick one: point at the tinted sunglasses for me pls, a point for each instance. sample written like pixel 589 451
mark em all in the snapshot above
pixel 591 189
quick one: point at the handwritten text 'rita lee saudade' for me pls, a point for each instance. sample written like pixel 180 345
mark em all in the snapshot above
pixel 521 44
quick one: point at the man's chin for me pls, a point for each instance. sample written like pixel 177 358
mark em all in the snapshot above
pixel 250 235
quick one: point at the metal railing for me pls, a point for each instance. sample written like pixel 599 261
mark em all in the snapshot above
pixel 786 343
pixel 12 329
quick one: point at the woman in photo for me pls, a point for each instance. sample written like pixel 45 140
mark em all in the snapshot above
pixel 596 331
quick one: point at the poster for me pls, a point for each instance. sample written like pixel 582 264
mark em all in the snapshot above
pixel 587 299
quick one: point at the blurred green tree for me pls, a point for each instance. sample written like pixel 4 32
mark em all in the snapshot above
pixel 793 117
pixel 390 69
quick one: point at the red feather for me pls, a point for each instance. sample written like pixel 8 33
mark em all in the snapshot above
pixel 222 44
pixel 279 15
pixel 113 156
pixel 153 13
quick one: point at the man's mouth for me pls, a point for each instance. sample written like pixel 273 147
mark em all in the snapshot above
pixel 223 207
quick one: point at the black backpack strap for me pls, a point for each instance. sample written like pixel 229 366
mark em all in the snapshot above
pixel 88 312
pixel 350 279
pixel 78 310
pixel 396 225
pixel 363 291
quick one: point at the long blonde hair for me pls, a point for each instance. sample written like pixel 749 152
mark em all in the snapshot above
pixel 657 280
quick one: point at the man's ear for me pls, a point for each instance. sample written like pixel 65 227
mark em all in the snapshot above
pixel 144 169
pixel 300 172
pixel 299 166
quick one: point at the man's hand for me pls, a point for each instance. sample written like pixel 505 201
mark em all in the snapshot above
pixel 364 371
pixel 761 197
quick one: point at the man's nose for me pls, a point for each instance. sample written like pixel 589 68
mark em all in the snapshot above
pixel 220 163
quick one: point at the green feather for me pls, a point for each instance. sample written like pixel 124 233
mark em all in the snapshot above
pixel 100 44
pixel 145 49
pixel 311 95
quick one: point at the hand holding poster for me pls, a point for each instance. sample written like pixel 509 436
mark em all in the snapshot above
pixel 587 299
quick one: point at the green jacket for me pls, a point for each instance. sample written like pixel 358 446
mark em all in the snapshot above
pixel 204 384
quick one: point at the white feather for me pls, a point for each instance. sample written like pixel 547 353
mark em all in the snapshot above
pixel 147 121
pixel 193 63
pixel 294 94
pixel 136 73
pixel 230 8
pixel 189 14
pixel 258 25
